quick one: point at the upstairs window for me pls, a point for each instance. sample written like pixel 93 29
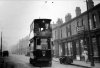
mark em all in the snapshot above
pixel 99 15
pixel 90 24
pixel 55 34
pixel 79 24
pixel 67 31
pixel 82 22
pixel 61 33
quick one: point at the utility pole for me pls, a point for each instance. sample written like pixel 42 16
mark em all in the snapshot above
pixel 1 43
pixel 90 39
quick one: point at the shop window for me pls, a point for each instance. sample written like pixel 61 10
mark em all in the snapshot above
pixel 66 49
pixel 60 50
pixel 77 47
pixel 95 48
pixel 70 48
pixel 82 45
pixel 77 50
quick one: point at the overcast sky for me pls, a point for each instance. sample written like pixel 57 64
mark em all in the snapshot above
pixel 17 15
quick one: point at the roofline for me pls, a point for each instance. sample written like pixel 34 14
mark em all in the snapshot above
pixel 95 7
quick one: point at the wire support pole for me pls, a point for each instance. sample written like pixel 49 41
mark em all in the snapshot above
pixel 90 39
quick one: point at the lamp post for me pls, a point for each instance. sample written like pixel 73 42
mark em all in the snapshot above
pixel 90 39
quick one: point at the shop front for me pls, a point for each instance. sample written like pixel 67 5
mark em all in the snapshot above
pixel 56 48
pixel 96 44
pixel 78 48
pixel 73 47
pixel 65 48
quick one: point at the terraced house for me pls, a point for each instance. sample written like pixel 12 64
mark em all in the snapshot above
pixel 72 36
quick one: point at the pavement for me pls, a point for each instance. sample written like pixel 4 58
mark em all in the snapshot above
pixel 82 63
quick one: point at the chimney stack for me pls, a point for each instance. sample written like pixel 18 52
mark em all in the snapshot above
pixel 68 17
pixel 78 11
pixel 90 4
pixel 59 21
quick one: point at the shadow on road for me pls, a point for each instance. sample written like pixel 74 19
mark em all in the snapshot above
pixel 80 66
pixel 7 65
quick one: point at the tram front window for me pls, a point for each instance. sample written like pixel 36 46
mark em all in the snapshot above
pixel 47 26
pixel 42 44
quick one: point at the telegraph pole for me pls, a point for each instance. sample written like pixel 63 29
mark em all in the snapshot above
pixel 1 43
pixel 90 39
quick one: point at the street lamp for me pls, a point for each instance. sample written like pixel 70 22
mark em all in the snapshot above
pixel 90 39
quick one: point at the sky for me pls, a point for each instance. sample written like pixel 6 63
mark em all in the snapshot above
pixel 17 15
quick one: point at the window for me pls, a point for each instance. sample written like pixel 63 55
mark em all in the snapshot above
pixel 61 33
pixel 44 44
pixel 38 41
pixel 95 48
pixel 90 24
pixel 94 21
pixel 38 46
pixel 69 34
pixel 67 31
pixel 70 49
pixel 80 23
pixel 77 23
pixel 31 46
pixel 55 34
pixel 77 48
pixel 47 26
pixel 99 15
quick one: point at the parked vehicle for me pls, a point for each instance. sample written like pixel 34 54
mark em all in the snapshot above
pixel 66 59
pixel 5 53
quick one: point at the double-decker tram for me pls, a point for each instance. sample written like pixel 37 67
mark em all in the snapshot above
pixel 40 44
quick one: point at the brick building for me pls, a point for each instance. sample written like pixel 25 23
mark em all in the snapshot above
pixel 71 37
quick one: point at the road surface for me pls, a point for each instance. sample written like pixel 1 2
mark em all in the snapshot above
pixel 22 61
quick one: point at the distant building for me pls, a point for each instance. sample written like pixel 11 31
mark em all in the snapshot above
pixel 71 37
pixel 22 46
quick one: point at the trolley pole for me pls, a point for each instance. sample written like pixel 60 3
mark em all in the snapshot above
pixel 90 39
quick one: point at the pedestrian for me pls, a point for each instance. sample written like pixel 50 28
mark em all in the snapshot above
pixel 85 55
